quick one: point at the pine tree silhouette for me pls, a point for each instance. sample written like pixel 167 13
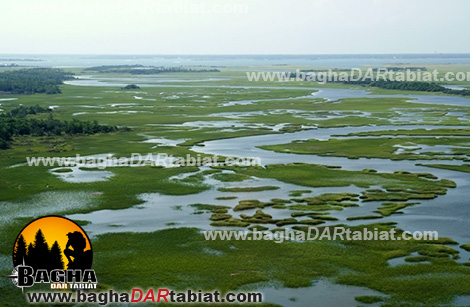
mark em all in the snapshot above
pixel 56 261
pixel 30 256
pixel 38 257
pixel 19 253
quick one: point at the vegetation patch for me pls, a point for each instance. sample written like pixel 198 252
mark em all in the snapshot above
pixel 224 177
pixel 343 261
pixel 259 218
pixel 416 259
pixel 208 207
pixel 63 170
pixel 316 215
pixel 387 209
pixel 364 217
pixel 226 197
pixel 459 168
pixel 369 299
pixel 250 204
pixel 417 132
pixel 230 222
pixel 248 189
pixel 323 202
pixel 131 87
pixel 465 247
pixel 145 70
pixel 313 175
pixel 403 148
pixel 18 123
pixel 297 193
pixel 33 80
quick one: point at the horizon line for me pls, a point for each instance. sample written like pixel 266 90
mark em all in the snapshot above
pixel 239 54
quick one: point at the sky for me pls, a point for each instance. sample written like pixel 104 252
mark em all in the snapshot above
pixel 234 27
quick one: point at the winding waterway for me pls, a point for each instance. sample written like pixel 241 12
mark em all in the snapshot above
pixel 447 214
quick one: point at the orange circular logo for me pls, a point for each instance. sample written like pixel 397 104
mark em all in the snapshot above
pixel 51 243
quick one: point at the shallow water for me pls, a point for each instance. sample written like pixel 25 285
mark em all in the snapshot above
pixel 430 215
pixel 164 141
pixel 462 300
pixel 455 87
pixel 401 260
pixel 78 175
pixel 251 101
pixel 158 210
pixel 319 294
pixel 321 60
pixel 140 81
pixel 335 94
pixel 51 202
pixel 445 214
pixel 329 94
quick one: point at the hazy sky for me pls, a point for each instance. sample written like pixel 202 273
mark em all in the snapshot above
pixel 234 27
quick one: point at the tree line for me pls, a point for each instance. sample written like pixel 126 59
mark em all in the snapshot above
pixel 409 86
pixel 388 84
pixel 144 70
pixel 33 80
pixel 17 122
pixel 37 254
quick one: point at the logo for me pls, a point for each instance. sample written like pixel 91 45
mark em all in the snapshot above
pixel 54 250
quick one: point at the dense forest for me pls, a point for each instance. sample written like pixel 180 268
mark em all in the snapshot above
pixel 17 122
pixel 144 70
pixel 409 86
pixel 33 80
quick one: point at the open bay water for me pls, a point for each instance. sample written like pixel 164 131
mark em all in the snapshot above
pixel 325 60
